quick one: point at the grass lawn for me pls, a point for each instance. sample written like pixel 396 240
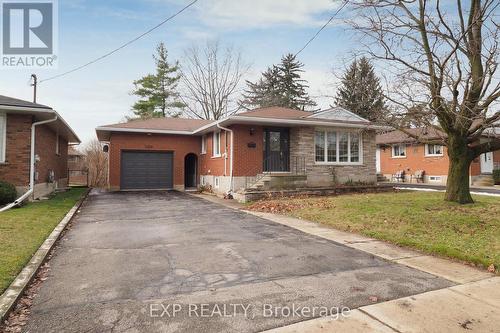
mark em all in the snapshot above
pixel 23 230
pixel 420 220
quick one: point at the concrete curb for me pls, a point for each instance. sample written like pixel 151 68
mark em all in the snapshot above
pixel 16 289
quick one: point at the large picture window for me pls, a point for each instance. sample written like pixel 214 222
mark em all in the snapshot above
pixel 3 136
pixel 337 147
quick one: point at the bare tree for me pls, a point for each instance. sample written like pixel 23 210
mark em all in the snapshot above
pixel 211 76
pixel 96 161
pixel 442 60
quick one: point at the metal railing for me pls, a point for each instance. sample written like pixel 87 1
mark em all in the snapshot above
pixel 296 166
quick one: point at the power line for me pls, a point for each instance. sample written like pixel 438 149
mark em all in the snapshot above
pixel 122 46
pixel 322 28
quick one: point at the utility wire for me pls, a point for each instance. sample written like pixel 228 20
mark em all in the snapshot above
pixel 122 46
pixel 322 28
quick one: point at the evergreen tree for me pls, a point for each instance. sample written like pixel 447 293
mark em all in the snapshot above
pixel 280 85
pixel 158 92
pixel 360 91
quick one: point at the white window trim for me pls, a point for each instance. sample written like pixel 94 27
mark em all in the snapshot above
pixel 426 152
pixel 337 148
pixel 216 182
pixel 3 132
pixel 400 145
pixel 213 144
pixel 203 144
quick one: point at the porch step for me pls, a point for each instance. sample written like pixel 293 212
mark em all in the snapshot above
pixel 484 180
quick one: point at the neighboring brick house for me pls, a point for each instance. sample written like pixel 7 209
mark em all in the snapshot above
pixel 289 147
pixel 397 151
pixel 48 160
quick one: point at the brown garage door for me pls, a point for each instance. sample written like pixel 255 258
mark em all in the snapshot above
pixel 142 170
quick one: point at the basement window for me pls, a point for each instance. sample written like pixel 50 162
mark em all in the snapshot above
pixel 216 182
pixel 435 178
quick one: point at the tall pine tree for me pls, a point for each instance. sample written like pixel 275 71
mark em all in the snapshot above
pixel 360 91
pixel 280 85
pixel 158 92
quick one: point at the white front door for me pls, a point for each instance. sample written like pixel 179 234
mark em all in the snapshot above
pixel 487 163
pixel 378 160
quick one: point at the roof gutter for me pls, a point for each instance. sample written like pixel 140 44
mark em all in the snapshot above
pixel 32 165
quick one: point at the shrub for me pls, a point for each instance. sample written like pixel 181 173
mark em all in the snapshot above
pixel 496 176
pixel 8 193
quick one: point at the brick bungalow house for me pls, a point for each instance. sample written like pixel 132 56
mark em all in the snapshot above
pixel 34 143
pixel 397 151
pixel 265 148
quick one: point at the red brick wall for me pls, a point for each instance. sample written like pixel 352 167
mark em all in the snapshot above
pixel 16 168
pixel 215 165
pixel 496 156
pixel 181 145
pixel 46 149
pixel 248 161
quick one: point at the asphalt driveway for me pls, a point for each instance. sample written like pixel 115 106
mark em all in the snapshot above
pixel 170 262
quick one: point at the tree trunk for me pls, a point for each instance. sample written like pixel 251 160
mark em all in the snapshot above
pixel 457 186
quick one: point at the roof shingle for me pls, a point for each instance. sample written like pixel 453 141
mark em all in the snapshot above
pixel 9 101
pixel 167 124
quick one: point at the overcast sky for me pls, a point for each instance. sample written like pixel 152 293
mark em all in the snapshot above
pixel 263 30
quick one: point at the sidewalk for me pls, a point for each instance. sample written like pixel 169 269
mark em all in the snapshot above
pixel 481 190
pixel 472 305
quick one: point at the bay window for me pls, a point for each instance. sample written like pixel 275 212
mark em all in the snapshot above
pixel 337 147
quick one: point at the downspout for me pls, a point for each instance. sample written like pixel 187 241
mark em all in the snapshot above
pixel 32 166
pixel 230 158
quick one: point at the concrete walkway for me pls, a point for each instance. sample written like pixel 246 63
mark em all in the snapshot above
pixel 473 305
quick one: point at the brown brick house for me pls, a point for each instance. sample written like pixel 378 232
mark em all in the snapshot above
pixel 34 141
pixel 398 151
pixel 270 147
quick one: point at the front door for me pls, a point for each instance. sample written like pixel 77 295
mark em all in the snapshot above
pixel 276 150
pixel 487 162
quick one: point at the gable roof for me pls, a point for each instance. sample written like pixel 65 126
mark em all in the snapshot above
pixel 337 113
pixel 423 133
pixel 275 112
